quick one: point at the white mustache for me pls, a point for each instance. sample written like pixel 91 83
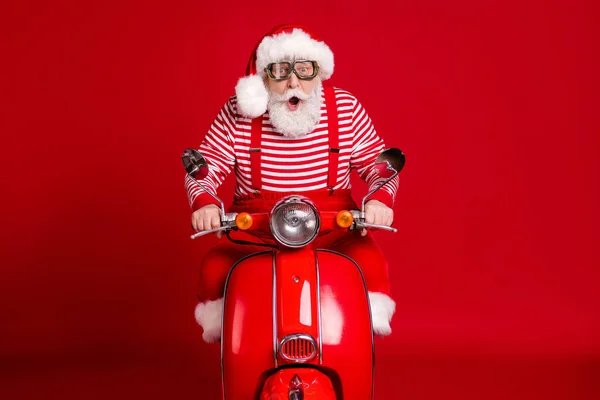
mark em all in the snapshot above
pixel 291 93
pixel 303 120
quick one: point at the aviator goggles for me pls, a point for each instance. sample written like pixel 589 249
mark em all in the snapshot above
pixel 303 69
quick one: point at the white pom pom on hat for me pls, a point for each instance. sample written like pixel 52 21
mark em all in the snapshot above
pixel 284 42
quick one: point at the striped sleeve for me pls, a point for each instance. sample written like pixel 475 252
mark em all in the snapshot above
pixel 366 146
pixel 218 150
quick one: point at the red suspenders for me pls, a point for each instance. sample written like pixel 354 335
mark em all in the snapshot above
pixel 334 150
pixel 334 137
pixel 255 139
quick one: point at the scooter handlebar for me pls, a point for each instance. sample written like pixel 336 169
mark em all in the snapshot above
pixel 328 221
pixel 261 223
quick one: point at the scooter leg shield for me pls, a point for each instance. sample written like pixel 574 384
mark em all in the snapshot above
pixel 298 383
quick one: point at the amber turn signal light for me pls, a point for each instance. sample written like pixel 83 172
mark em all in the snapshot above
pixel 344 219
pixel 243 221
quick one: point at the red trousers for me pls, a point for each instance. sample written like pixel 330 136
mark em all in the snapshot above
pixel 362 249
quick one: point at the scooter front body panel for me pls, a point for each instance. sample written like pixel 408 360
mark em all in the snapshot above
pixel 347 345
pixel 297 317
pixel 272 296
pixel 247 346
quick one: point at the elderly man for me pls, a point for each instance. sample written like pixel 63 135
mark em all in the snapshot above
pixel 285 132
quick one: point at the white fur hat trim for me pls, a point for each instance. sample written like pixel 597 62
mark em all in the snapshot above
pixel 297 45
pixel 252 96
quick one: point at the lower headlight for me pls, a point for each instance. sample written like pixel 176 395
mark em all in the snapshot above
pixel 294 221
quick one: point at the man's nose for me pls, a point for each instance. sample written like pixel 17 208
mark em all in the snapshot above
pixel 293 81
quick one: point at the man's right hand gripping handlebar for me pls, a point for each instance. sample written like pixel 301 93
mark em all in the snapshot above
pixel 208 220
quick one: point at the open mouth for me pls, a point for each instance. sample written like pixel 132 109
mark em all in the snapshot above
pixel 293 103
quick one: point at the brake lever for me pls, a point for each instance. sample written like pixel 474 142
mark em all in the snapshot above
pixel 359 225
pixel 382 227
pixel 214 230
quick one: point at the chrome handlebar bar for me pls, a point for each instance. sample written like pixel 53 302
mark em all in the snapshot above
pixel 228 223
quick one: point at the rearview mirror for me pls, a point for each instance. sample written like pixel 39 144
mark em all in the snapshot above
pixel 389 162
pixel 197 168
pixel 194 163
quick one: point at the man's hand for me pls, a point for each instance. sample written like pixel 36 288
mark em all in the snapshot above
pixel 207 217
pixel 377 213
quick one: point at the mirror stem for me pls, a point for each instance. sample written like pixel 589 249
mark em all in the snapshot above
pixel 362 210
pixel 212 195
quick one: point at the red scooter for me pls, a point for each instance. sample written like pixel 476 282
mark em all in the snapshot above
pixel 283 332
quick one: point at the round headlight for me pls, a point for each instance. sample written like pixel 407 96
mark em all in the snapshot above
pixel 294 221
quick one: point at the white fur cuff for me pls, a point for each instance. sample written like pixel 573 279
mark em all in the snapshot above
pixel 382 310
pixel 209 316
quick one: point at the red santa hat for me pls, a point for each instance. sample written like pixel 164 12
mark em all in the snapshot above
pixel 284 42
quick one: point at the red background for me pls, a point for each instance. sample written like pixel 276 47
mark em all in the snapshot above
pixel 495 267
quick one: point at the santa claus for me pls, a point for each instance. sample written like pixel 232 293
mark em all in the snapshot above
pixel 285 132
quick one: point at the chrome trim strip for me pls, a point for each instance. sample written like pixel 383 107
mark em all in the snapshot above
pixel 294 337
pixel 320 327
pixel 223 314
pixel 370 316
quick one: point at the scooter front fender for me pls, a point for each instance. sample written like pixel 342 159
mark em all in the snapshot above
pixel 298 383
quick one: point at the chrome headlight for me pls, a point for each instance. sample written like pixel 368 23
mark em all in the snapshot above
pixel 294 221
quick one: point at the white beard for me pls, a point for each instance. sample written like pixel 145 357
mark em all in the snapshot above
pixel 303 120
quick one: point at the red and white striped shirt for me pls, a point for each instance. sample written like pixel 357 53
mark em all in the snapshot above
pixel 291 165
